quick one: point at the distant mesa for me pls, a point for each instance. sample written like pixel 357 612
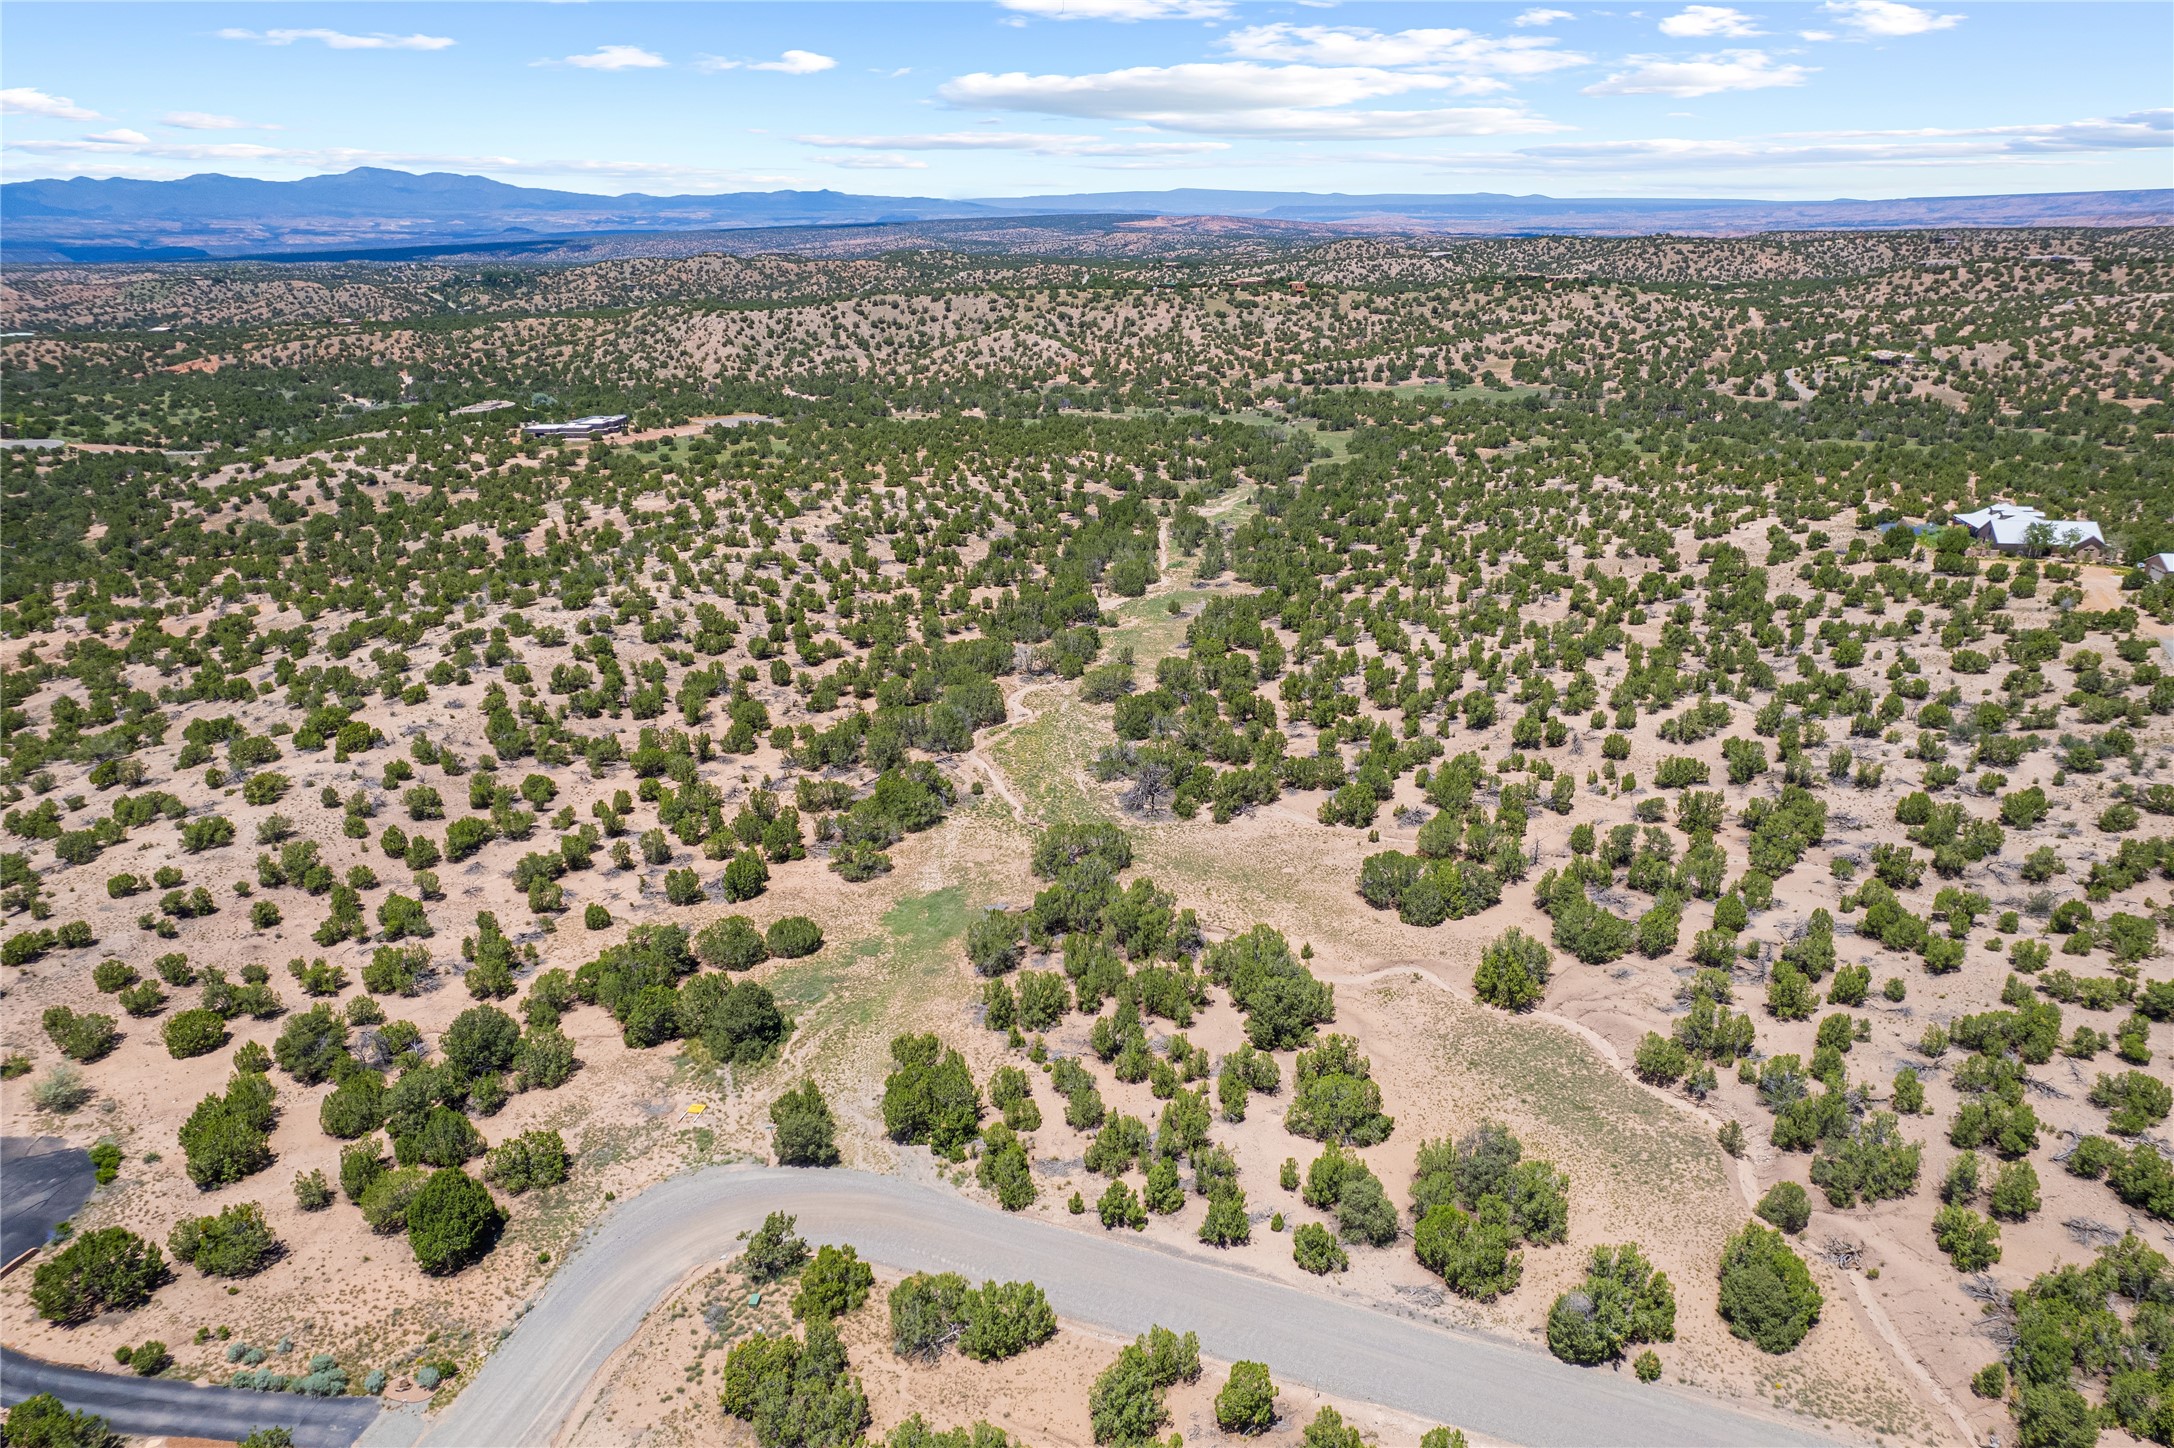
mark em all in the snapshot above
pixel 372 213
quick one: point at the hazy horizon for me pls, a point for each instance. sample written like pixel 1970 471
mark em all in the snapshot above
pixel 1856 99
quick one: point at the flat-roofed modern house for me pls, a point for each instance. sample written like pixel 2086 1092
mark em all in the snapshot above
pixel 2016 528
pixel 602 425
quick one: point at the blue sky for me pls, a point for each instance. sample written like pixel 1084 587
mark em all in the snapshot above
pixel 958 98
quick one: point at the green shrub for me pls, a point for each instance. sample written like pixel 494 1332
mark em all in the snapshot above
pixel 772 1249
pixel 1315 1249
pixel 1004 1170
pixel 930 1096
pixel 806 1132
pixel 925 1314
pixel 236 1243
pixel 1336 1098
pixel 1767 1294
pixel 1004 1319
pixel 1972 1242
pixel 388 1195
pixel 534 1159
pixel 195 1032
pixel 793 1392
pixel 746 876
pixel 80 1037
pixel 312 1045
pixel 106 1270
pixel 1513 971
pixel 793 937
pixel 1787 1206
pixel 833 1284
pixel 1247 1402
pixel 1622 1302
pixel 1125 1405
pixel 994 942
pixel 1473 1254
pixel 43 1421
pixel 732 943
pixel 452 1220
pixel 312 1193
pixel 228 1137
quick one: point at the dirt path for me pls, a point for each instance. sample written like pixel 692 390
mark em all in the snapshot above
pixel 1016 713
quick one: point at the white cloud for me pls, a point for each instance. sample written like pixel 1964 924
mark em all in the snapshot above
pixel 2046 144
pixel 1707 20
pixel 1121 10
pixel 206 121
pixel 1542 17
pixel 792 62
pixel 1241 98
pixel 1888 17
pixel 1039 143
pixel 340 40
pixel 796 62
pixel 1700 75
pixel 27 100
pixel 1142 92
pixel 879 163
pixel 121 136
pixel 614 57
pixel 1432 50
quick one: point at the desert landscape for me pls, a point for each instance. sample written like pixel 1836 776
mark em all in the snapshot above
pixel 1587 793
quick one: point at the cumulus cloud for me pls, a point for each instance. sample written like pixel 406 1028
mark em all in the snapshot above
pixel 1121 10
pixel 614 57
pixel 1431 50
pixel 1887 18
pixel 1700 21
pixel 792 62
pixel 1039 143
pixel 338 39
pixel 28 100
pixel 1542 17
pixel 206 121
pixel 1700 75
pixel 1243 98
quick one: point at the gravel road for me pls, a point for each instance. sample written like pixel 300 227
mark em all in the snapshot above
pixel 1502 1390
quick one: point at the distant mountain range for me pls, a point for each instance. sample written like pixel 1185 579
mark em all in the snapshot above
pixel 369 208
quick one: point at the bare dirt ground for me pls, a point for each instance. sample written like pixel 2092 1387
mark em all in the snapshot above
pixel 661 1389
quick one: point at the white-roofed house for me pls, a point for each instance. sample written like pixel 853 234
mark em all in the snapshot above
pixel 1980 521
pixel 2035 535
pixel 2158 567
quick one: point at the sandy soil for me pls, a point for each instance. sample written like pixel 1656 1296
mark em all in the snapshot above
pixel 661 1388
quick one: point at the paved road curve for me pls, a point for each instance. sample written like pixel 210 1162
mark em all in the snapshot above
pixel 152 1407
pixel 43 1182
pixel 530 1385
